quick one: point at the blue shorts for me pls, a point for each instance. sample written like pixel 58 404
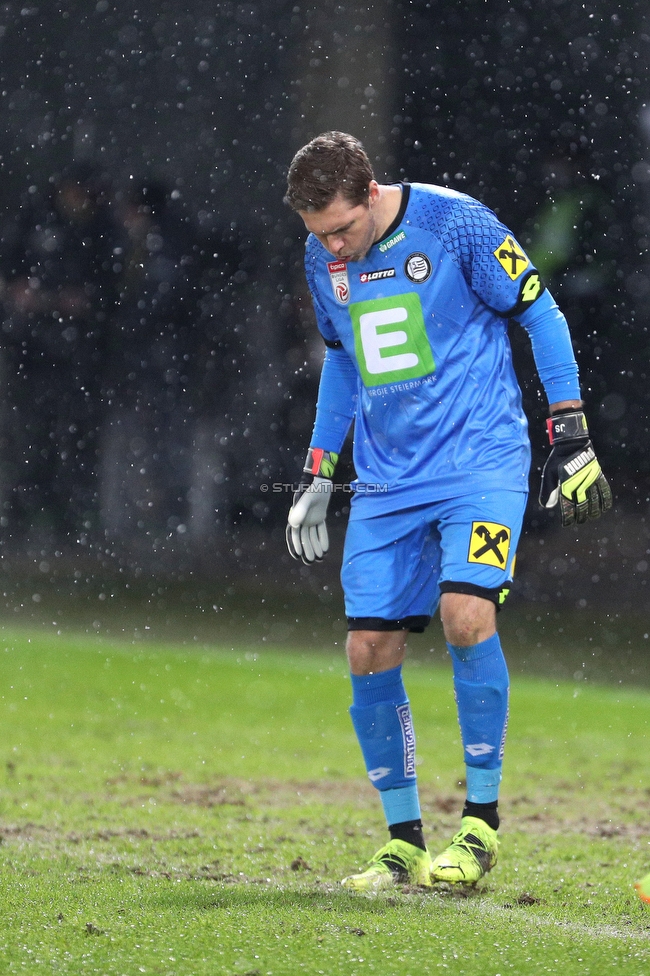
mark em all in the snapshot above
pixel 395 566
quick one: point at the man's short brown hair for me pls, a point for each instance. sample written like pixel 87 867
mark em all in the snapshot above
pixel 333 163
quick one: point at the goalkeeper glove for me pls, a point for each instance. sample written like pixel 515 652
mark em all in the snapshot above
pixel 306 532
pixel 572 475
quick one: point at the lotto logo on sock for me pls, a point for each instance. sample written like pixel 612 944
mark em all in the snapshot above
pixel 408 735
pixel 480 749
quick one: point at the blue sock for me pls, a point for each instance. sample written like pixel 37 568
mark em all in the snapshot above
pixel 381 716
pixel 481 686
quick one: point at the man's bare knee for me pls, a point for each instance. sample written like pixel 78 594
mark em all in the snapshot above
pixel 467 619
pixel 370 651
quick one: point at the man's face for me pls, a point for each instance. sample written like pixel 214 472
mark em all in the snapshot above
pixel 347 230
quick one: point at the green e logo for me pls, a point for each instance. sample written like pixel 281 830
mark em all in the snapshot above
pixel 390 339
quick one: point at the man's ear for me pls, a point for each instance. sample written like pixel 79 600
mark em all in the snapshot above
pixel 373 191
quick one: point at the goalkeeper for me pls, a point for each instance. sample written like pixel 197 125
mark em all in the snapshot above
pixel 413 287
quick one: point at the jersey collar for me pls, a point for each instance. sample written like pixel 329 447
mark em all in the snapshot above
pixel 406 192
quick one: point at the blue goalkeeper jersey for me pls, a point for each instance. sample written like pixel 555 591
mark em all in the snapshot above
pixel 423 318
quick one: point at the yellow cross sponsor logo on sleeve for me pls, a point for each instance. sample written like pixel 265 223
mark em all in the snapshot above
pixel 489 544
pixel 511 258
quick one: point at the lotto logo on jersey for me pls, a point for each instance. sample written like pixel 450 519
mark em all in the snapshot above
pixel 390 340
pixel 489 544
pixel 367 276
pixel 511 258
pixel 531 288
pixel 338 271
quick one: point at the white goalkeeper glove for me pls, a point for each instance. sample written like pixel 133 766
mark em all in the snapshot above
pixel 307 537
pixel 572 474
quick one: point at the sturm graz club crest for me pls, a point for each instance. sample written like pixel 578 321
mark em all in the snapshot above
pixel 417 267
pixel 339 277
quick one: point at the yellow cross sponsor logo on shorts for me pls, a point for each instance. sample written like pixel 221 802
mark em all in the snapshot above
pixel 511 258
pixel 489 544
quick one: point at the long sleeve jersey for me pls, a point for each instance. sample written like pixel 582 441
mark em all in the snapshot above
pixel 419 357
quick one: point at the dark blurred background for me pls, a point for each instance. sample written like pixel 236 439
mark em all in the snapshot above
pixel 159 358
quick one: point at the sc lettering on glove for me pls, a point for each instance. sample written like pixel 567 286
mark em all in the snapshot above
pixel 572 475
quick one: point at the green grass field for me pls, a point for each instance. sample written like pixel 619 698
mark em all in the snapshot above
pixel 180 811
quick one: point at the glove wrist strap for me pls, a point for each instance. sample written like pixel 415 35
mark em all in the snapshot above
pixel 566 427
pixel 320 463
